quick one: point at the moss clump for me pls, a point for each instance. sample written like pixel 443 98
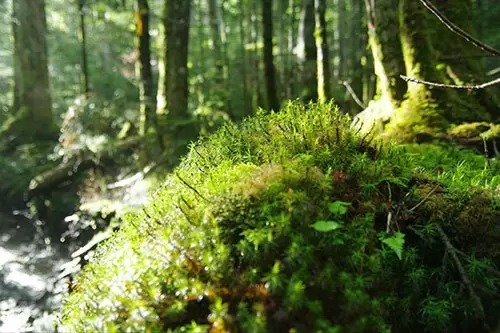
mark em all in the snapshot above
pixel 278 225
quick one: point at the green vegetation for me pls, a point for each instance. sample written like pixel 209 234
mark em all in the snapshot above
pixel 292 222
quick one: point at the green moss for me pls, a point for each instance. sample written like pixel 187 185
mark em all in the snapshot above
pixel 228 242
pixel 477 129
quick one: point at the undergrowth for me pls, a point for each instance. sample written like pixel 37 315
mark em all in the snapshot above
pixel 292 222
pixel 17 168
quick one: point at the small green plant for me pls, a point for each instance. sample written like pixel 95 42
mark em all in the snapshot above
pixel 338 209
pixel 395 242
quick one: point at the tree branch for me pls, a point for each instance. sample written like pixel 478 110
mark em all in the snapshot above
pixel 442 85
pixel 454 28
pixel 453 254
pixel 353 95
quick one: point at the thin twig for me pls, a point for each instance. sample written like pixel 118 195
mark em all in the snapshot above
pixel 424 199
pixel 465 56
pixel 453 27
pixel 442 85
pixel 453 253
pixel 190 187
pixel 353 94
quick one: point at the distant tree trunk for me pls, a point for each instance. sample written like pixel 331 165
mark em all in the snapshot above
pixel 217 40
pixel 172 109
pixel 307 53
pixel 323 56
pixel 143 68
pixel 343 38
pixel 31 116
pixel 270 71
pixel 84 74
pixel 290 59
pixel 255 59
pixel 244 73
pixel 282 47
pixel 358 45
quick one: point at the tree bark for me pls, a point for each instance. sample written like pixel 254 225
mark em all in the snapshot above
pixel 143 68
pixel 419 111
pixel 31 116
pixel 84 74
pixel 323 56
pixel 172 109
pixel 217 40
pixel 269 68
pixel 244 72
pixel 307 53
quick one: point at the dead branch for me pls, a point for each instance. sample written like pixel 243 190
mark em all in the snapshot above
pixel 454 28
pixel 442 85
pixel 424 199
pixel 465 279
pixel 353 95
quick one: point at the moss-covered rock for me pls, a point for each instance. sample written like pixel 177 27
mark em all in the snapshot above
pixel 290 222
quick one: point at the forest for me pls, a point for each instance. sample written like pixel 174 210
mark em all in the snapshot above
pixel 250 166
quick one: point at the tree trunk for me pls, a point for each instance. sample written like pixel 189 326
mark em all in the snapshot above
pixel 217 40
pixel 84 74
pixel 246 102
pixel 143 68
pixel 31 116
pixel 343 39
pixel 385 45
pixel 290 59
pixel 307 53
pixel 172 110
pixel 269 69
pixel 323 56
pixel 420 111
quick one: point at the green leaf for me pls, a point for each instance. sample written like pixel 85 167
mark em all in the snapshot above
pixel 395 243
pixel 326 226
pixel 338 207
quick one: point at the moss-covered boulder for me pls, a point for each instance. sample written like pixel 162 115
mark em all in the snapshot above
pixel 291 222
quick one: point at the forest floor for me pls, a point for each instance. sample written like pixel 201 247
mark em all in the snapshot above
pixel 29 288
pixel 33 256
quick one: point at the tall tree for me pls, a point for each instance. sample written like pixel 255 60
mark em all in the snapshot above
pixel 84 73
pixel 143 67
pixel 31 114
pixel 217 43
pixel 269 68
pixel 306 52
pixel 172 108
pixel 244 65
pixel 323 55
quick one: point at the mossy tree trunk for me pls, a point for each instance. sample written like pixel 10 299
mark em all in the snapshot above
pixel 323 54
pixel 384 42
pixel 406 39
pixel 31 115
pixel 172 109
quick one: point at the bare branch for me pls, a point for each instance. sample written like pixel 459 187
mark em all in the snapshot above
pixel 353 94
pixel 453 27
pixel 442 85
pixel 452 251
